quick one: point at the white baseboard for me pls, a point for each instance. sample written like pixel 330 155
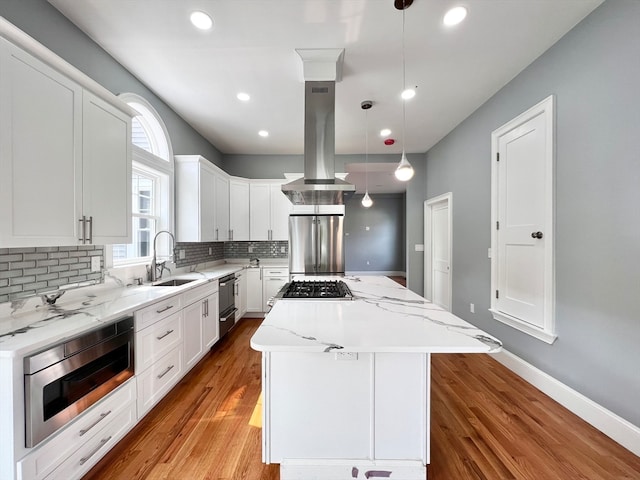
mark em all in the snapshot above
pixel 615 427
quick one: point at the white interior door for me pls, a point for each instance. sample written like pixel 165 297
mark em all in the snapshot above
pixel 521 221
pixel 438 280
pixel 522 212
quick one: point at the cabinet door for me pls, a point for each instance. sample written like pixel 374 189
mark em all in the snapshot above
pixel 40 152
pixel 259 212
pixel 222 207
pixel 195 199
pixel 241 294
pixel 270 286
pixel 210 330
pixel 106 171
pixel 192 317
pixel 280 209
pixel 239 209
pixel 254 290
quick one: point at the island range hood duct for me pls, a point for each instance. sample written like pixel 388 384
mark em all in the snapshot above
pixel 319 186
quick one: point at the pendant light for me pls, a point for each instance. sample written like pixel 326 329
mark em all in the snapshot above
pixel 366 200
pixel 404 171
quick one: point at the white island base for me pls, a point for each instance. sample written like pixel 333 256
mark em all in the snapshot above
pixel 336 415
pixel 346 384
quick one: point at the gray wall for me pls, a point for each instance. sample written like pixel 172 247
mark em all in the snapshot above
pixel 414 223
pixel 594 73
pixel 48 26
pixel 383 244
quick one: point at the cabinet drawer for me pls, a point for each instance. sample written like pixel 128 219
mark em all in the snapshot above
pixel 155 341
pixel 198 293
pixel 275 272
pixel 46 457
pixel 151 314
pixel 94 449
pixel 156 381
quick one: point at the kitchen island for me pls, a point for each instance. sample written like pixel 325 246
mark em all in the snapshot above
pixel 346 382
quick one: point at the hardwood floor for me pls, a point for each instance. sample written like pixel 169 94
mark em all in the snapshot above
pixel 486 424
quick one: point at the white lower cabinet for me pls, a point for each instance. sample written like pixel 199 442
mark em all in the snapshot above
pixel 200 322
pixel 254 290
pixel 79 446
pixel 156 381
pixel 273 279
pixel 92 450
pixel 241 294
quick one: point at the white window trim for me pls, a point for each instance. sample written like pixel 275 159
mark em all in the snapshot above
pixel 548 332
pixel 145 160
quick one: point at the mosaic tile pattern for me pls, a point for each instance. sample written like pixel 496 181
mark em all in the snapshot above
pixel 196 252
pixel 28 271
pixel 256 249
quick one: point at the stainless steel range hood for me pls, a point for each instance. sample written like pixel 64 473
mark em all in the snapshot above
pixel 319 186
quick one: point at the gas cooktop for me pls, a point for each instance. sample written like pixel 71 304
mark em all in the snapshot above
pixel 316 290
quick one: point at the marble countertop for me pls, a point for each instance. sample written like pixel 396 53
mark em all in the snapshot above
pixel 28 325
pixel 383 317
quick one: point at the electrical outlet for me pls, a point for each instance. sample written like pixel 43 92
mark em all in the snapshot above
pixel 182 254
pixel 367 262
pixel 367 228
pixel 472 308
pixel 95 264
pixel 283 249
pixel 346 355
pixel 210 250
pixel 419 247
pixel 250 249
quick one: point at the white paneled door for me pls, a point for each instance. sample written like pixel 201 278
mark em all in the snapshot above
pixel 522 259
pixel 438 250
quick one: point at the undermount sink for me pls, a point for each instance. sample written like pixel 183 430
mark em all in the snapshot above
pixel 176 282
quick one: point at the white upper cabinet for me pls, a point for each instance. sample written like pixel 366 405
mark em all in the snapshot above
pixel 221 205
pixel 195 199
pixel 280 210
pixel 106 171
pixel 269 212
pixel 64 156
pixel 239 209
pixel 260 211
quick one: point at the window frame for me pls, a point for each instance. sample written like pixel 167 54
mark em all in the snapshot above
pixel 159 165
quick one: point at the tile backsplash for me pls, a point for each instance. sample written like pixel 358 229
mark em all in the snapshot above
pixel 199 252
pixel 29 271
pixel 256 249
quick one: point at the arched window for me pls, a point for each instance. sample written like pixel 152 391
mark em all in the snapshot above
pixel 152 184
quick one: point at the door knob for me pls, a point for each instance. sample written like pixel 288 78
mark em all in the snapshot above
pixel 536 235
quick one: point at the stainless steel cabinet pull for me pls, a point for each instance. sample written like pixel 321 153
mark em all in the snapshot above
pixel 164 309
pixel 84 460
pixel 82 222
pixel 206 307
pixel 537 235
pixel 102 415
pixel 90 230
pixel 168 332
pixel 166 371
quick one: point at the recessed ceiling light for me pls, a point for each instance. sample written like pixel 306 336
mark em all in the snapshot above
pixel 408 93
pixel 201 20
pixel 454 16
pixel 245 97
pixel 385 132
pixel 263 133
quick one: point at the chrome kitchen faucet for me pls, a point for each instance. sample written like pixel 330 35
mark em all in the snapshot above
pixel 152 271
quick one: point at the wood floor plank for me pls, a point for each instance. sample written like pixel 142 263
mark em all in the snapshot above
pixel 486 424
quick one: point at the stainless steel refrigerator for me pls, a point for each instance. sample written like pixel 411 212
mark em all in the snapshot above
pixel 316 244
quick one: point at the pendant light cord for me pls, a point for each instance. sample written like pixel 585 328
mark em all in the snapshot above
pixel 366 150
pixel 404 83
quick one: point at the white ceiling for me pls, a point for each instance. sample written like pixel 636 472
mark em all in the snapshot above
pixel 252 49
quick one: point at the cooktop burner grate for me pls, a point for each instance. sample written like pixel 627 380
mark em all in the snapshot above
pixel 317 289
